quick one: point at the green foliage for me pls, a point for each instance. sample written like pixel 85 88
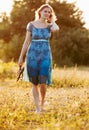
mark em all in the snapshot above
pixel 68 15
pixel 5 33
pixel 2 52
pixel 23 12
pixel 11 51
pixel 8 70
pixel 72 47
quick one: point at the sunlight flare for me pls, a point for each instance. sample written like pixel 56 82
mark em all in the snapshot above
pixel 83 5
pixel 6 6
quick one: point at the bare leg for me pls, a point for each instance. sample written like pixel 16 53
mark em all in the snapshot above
pixel 42 94
pixel 36 97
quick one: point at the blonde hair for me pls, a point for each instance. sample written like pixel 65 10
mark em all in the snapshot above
pixel 52 15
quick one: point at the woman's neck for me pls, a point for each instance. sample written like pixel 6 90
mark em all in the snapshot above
pixel 42 20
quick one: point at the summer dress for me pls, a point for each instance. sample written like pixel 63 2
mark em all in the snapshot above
pixel 38 65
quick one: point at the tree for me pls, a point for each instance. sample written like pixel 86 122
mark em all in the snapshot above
pixel 68 15
pixel 4 27
pixel 23 12
pixel 67 45
pixel 72 48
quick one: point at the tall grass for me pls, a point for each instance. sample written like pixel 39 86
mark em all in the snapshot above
pixel 71 77
pixel 62 77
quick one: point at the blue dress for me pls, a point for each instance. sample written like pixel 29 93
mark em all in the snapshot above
pixel 38 65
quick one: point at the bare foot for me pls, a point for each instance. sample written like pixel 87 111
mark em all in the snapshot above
pixel 42 109
pixel 37 111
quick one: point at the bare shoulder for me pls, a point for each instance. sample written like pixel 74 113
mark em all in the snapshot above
pixel 33 22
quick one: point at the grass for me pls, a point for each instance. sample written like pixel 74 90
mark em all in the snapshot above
pixel 66 102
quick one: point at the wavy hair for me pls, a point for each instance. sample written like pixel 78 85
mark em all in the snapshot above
pixel 52 15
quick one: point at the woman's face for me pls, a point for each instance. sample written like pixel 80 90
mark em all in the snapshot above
pixel 45 13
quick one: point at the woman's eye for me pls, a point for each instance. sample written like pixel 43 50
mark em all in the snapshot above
pixel 45 11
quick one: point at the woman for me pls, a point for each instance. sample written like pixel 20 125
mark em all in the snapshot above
pixel 38 64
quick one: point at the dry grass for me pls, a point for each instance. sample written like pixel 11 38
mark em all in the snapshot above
pixel 71 77
pixel 67 106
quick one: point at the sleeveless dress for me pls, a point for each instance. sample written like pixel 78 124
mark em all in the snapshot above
pixel 38 63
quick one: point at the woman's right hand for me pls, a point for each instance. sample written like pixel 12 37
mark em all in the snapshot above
pixel 20 61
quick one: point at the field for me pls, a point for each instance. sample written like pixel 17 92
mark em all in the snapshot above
pixel 66 102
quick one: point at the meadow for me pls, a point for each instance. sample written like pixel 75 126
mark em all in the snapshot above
pixel 66 102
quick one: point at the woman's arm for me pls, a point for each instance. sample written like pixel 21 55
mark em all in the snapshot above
pixel 54 27
pixel 24 48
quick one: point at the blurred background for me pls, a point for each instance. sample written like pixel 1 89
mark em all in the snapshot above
pixel 70 46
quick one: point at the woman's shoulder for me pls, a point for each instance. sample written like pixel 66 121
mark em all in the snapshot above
pixel 35 22
pixel 30 26
pixel 30 23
